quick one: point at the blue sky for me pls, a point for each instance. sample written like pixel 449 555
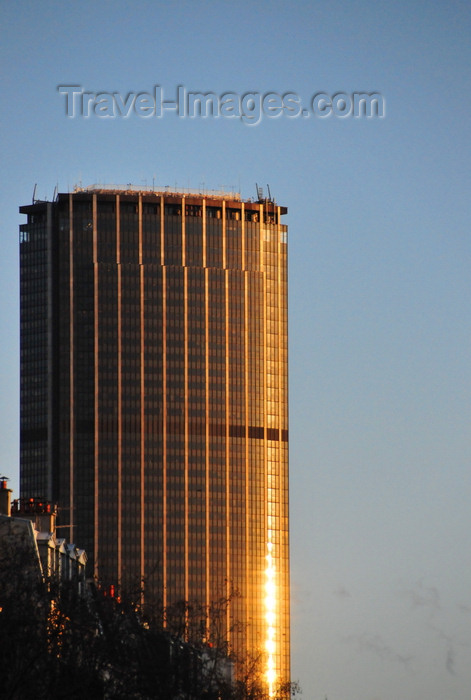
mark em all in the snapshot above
pixel 380 320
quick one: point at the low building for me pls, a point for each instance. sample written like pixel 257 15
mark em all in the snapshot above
pixel 28 538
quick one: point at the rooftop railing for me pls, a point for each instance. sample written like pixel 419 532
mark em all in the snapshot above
pixel 159 190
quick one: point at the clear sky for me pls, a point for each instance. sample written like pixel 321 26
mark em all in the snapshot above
pixel 380 286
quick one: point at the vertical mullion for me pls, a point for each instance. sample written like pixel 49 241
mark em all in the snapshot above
pixel 96 374
pixel 207 434
pixel 227 450
pixel 142 400
pixel 186 443
pixel 248 568
pixel 120 389
pixel 72 381
pixel 164 427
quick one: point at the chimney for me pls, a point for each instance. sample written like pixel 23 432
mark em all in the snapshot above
pixel 5 497
pixel 46 518
pixel 41 513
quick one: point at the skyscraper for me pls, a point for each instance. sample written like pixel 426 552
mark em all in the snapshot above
pixel 154 406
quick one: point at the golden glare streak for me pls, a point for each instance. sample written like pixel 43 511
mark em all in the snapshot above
pixel 270 617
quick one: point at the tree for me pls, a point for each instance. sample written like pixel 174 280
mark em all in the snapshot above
pixel 57 642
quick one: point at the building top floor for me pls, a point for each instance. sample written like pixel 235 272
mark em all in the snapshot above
pixel 178 202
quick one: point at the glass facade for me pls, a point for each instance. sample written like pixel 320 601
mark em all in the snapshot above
pixel 154 402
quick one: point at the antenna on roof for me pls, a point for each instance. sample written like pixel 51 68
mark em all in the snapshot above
pixel 34 192
pixel 269 194
pixel 259 192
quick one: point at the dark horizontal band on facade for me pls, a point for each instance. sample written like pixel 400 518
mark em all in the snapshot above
pixel 154 425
